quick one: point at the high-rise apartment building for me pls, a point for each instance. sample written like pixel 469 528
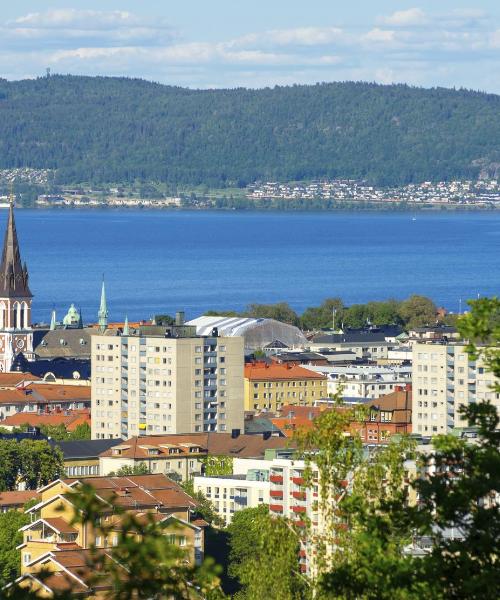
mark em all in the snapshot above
pixel 444 378
pixel 166 381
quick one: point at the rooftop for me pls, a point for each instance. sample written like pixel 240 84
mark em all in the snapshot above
pixel 259 371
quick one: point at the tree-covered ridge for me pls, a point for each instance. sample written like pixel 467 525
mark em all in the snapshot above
pixel 102 129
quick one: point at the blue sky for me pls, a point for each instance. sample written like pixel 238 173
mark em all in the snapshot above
pixel 256 43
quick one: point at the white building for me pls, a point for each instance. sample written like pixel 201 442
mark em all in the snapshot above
pixel 444 378
pixel 248 487
pixel 364 381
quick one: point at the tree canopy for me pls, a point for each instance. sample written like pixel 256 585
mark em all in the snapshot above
pixel 387 134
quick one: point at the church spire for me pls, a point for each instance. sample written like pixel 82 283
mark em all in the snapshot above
pixel 13 276
pixel 103 311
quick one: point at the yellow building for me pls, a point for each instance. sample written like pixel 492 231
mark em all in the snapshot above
pixel 54 542
pixel 271 386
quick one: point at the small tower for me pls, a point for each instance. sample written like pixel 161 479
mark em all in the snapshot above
pixel 103 311
pixel 125 326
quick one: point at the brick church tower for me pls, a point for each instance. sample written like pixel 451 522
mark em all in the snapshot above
pixel 16 334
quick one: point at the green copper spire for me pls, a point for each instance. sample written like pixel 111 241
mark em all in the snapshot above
pixel 53 320
pixel 103 311
pixel 125 326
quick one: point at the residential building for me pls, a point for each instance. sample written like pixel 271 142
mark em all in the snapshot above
pixel 43 398
pixel 444 378
pixel 372 343
pixel 166 380
pixel 81 457
pixel 183 456
pixel 270 386
pixel 364 381
pixel 53 532
pixel 247 487
pixel 69 419
pixel 16 500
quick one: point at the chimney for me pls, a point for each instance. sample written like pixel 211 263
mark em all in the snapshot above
pixel 179 318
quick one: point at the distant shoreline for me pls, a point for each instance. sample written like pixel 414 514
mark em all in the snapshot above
pixel 350 209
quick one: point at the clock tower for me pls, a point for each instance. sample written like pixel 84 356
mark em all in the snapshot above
pixel 16 334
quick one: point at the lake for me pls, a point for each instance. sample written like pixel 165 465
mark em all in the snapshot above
pixel 163 261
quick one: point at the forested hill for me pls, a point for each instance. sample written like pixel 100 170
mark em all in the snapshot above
pixel 101 129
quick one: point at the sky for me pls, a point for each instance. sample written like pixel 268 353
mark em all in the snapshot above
pixel 256 43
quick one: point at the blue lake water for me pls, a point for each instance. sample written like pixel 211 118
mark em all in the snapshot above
pixel 162 261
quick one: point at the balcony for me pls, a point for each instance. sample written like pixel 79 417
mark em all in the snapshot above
pixel 243 500
pixel 299 495
pixel 299 523
pixel 298 480
pixel 299 509
pixel 276 493
pixel 276 507
pixel 276 478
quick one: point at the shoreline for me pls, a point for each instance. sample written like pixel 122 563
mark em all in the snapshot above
pixel 329 209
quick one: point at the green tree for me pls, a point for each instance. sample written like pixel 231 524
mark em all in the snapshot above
pixel 165 320
pixel 264 557
pixel 34 462
pixel 280 311
pixel 81 432
pixel 321 317
pixel 10 537
pixel 384 313
pixel 39 463
pixel 417 311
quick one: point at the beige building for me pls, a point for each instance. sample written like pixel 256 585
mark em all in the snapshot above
pixel 444 378
pixel 161 382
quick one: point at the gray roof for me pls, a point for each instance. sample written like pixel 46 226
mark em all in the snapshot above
pixel 67 343
pixel 85 448
pixel 352 336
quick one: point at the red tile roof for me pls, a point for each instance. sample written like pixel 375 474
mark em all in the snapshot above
pixel 260 371
pixel 17 498
pixel 70 421
pixel 11 380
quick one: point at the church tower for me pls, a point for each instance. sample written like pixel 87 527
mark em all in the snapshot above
pixel 16 334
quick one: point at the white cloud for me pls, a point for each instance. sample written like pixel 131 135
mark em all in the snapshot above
pixel 396 47
pixel 379 35
pixel 67 27
pixel 405 18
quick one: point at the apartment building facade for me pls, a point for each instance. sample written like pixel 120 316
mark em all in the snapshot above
pixel 271 386
pixel 443 379
pixel 247 487
pixel 173 382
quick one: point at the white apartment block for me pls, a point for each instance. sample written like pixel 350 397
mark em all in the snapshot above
pixel 248 487
pixel 364 381
pixel 443 379
pixel 175 383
